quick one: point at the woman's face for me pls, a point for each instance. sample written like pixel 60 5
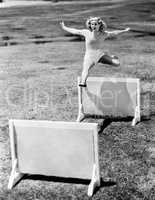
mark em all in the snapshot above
pixel 94 25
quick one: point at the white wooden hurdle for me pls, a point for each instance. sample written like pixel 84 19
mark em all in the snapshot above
pixel 111 97
pixel 62 149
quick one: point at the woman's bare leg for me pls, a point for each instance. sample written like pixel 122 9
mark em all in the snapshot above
pixel 87 65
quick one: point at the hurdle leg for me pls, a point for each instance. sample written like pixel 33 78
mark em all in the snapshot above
pixel 15 176
pixel 136 116
pixel 94 182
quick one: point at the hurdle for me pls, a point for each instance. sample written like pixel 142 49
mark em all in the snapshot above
pixel 109 97
pixel 50 148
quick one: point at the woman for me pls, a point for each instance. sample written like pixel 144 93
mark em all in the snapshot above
pixel 94 35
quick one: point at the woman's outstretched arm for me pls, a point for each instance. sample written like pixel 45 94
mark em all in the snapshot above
pixel 73 30
pixel 117 32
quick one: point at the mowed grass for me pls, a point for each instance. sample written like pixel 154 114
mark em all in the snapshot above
pixel 39 65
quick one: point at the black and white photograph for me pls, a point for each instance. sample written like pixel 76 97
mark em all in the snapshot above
pixel 77 99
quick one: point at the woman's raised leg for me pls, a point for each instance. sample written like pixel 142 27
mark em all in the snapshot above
pixel 110 60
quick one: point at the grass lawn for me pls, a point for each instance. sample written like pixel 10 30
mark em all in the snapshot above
pixel 39 65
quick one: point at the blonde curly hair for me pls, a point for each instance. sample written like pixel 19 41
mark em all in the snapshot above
pixel 98 20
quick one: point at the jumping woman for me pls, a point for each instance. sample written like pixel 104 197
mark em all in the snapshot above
pixel 94 35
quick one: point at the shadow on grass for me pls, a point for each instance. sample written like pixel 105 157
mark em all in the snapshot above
pixel 104 184
pixel 66 180
pixel 108 120
pixel 57 179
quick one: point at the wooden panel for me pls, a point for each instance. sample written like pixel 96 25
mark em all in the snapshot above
pixel 110 96
pixel 56 149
